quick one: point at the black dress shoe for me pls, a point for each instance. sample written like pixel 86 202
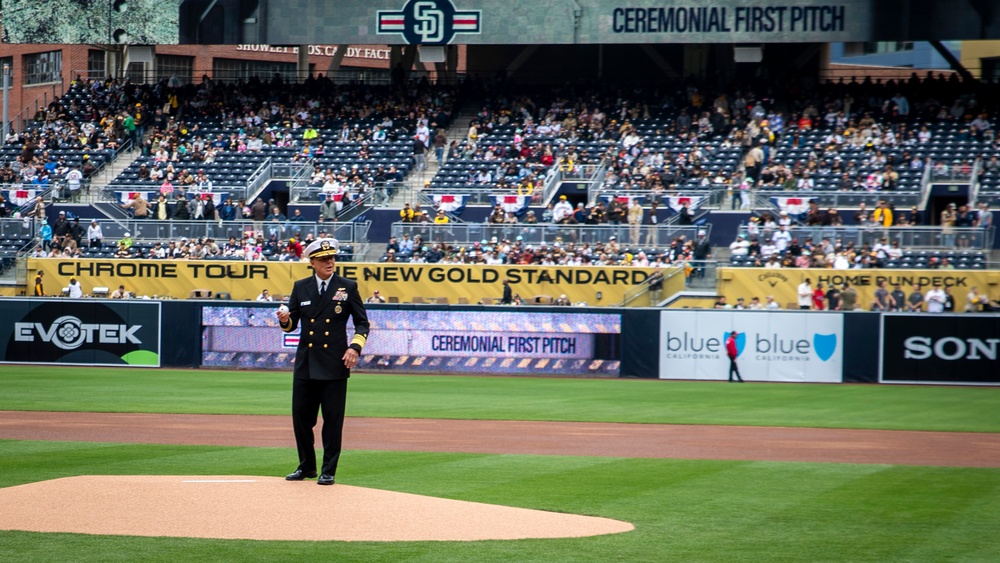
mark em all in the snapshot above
pixel 299 475
pixel 325 479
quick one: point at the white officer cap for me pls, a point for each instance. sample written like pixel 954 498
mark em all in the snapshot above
pixel 322 247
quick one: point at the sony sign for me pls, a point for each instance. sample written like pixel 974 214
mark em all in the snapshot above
pixel 957 348
pixel 950 348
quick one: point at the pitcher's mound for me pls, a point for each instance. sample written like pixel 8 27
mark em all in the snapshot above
pixel 270 508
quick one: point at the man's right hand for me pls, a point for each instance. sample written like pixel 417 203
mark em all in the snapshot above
pixel 283 315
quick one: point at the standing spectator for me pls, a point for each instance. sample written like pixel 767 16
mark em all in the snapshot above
pixel 45 232
pixel 38 212
pixel 882 214
pixel 965 219
pixel 915 303
pixel 652 235
pixel 849 297
pixel 39 287
pixel 73 179
pixel 833 298
pixel 181 210
pixel 805 292
pixel 949 300
pixel 507 298
pixel 685 215
pixel 209 213
pixel 897 299
pixel 258 211
pixel 702 252
pixel 440 143
pixel 635 212
pixel 562 210
pixel 937 299
pixel 883 301
pixel 95 235
pixel 985 215
pixel 161 209
pixel 973 300
pixel 139 206
pixel 948 226
pixel 328 209
pixel 419 154
pixel 819 298
pixel 61 227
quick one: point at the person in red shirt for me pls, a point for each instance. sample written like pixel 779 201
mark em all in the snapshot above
pixel 732 352
pixel 295 248
pixel 819 296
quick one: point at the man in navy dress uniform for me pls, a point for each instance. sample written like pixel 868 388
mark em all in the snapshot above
pixel 321 304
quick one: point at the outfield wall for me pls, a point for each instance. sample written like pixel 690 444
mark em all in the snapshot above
pixel 575 341
pixel 775 346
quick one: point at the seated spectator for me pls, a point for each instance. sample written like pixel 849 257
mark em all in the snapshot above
pixel 739 246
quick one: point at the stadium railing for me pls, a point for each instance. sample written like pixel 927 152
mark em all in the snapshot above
pixel 964 238
pixel 151 230
pixel 468 233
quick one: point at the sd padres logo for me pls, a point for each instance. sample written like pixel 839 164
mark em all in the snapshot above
pixel 429 22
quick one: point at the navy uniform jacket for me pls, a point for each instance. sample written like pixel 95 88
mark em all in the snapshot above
pixel 323 340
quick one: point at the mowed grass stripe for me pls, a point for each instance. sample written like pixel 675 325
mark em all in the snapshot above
pixel 684 510
pixel 508 398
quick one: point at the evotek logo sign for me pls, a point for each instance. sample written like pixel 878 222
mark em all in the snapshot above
pixel 428 22
pixel 950 348
pixel 69 333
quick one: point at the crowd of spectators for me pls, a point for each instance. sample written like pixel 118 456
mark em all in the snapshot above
pixel 77 242
pixel 936 298
pixel 498 251
pixel 865 132
pixel 772 242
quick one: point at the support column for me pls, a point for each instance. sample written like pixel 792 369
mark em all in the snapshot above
pixel 335 62
pixel 302 65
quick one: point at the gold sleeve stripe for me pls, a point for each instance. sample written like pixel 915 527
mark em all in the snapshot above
pixel 286 327
pixel 359 339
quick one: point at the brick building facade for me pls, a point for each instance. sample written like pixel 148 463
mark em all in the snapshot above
pixel 40 73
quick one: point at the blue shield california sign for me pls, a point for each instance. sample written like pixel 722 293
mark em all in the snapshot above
pixel 771 346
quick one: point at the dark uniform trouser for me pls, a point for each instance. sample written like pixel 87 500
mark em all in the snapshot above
pixel 734 369
pixel 308 395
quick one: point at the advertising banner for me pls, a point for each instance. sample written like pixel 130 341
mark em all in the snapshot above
pixel 950 349
pixel 772 346
pixel 81 332
pixel 595 286
pixel 431 340
pixel 782 283
pixel 521 22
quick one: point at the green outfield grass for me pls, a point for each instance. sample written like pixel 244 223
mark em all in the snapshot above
pixel 508 398
pixel 683 510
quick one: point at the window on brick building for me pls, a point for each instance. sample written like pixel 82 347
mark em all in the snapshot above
pixel 96 66
pixel 40 68
pixel 171 66
pixel 239 69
